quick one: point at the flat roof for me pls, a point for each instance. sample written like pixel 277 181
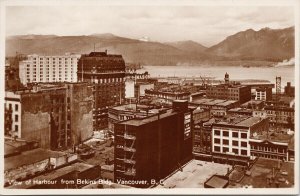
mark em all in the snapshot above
pixel 239 120
pixel 139 122
pixel 56 174
pixel 226 103
pixel 214 102
pixel 250 121
pixel 29 157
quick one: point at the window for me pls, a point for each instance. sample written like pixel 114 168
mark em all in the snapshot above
pixel 217 132
pixel 244 135
pixel 244 144
pixel 217 149
pixel 16 107
pixel 225 133
pixel 235 134
pixel 217 141
pixel 225 149
pixel 235 143
pixel 244 152
pixel 235 151
pixel 16 128
pixel 10 106
pixel 225 142
pixel 16 118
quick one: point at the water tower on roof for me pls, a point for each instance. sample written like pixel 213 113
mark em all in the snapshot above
pixel 226 78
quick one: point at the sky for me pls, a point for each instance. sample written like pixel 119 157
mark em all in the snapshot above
pixel 207 25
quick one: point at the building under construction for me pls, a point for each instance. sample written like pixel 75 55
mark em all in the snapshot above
pixel 106 73
pixel 153 147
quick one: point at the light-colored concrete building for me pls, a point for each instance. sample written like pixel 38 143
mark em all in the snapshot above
pixel 231 137
pixel 40 68
pixel 13 102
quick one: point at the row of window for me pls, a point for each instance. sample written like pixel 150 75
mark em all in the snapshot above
pixel 233 142
pixel 234 134
pixel 226 149
pixel 16 107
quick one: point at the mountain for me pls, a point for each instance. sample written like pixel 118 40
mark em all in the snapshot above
pixel 134 51
pixel 265 44
pixel 188 45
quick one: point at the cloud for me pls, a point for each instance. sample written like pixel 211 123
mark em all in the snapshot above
pixel 204 24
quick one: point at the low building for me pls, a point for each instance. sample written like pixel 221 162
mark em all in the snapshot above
pixel 73 176
pixel 57 116
pixel 272 145
pixel 167 97
pixel 282 116
pixel 229 91
pixel 153 147
pixel 253 104
pixel 230 138
pixel 217 107
pixel 33 162
pixel 240 111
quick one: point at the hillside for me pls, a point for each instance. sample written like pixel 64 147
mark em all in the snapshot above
pixel 265 44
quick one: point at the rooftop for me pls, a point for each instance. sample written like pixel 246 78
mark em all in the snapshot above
pixel 276 137
pixel 239 120
pixel 250 121
pixel 29 157
pixel 54 174
pixel 139 122
pixel 217 102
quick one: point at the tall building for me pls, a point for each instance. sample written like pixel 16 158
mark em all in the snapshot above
pixel 40 68
pixel 56 116
pixel 106 73
pixel 153 147
pixel 263 94
pixel 229 91
pixel 289 90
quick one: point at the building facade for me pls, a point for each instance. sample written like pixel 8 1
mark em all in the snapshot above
pixel 229 91
pixel 263 94
pixel 40 68
pixel 167 97
pixel 56 116
pixel 154 147
pixel 106 73
pixel 230 138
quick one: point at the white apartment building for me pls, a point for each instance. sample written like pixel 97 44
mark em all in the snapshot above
pixel 13 102
pixel 232 137
pixel 231 141
pixel 39 68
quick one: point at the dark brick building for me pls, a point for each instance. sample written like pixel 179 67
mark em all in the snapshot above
pixel 106 73
pixel 230 91
pixel 153 147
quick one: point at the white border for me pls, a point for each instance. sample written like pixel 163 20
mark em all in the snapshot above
pixel 178 191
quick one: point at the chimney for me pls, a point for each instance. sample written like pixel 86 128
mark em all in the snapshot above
pixel 105 51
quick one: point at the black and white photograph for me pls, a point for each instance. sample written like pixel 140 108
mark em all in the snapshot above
pixel 149 97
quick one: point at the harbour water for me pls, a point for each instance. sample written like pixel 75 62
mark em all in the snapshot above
pixel 236 73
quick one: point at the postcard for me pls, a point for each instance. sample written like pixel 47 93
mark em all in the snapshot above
pixel 149 97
